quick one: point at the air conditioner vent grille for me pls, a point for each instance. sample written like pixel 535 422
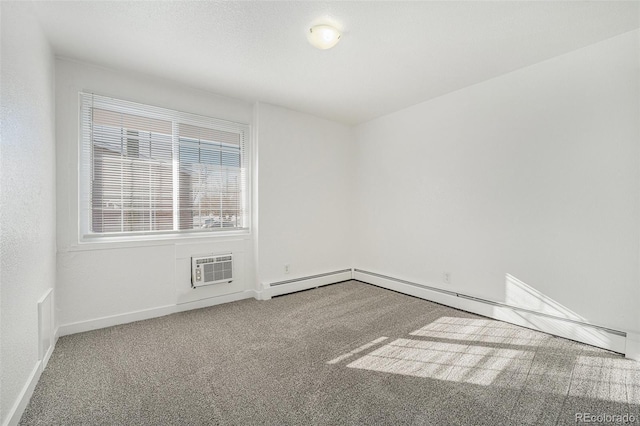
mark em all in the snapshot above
pixel 211 270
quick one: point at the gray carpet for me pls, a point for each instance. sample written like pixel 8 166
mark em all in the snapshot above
pixel 348 353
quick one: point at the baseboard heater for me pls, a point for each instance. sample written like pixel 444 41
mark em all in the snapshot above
pixel 491 302
pixel 310 277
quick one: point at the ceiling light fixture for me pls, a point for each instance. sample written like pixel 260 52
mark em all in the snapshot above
pixel 323 36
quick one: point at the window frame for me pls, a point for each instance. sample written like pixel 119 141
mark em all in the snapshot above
pixel 89 100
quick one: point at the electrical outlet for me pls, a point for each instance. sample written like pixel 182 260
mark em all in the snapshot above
pixel 287 267
pixel 446 278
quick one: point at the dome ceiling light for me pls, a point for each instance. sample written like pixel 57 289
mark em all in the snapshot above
pixel 323 36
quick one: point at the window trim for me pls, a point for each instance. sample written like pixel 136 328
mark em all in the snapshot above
pixel 85 236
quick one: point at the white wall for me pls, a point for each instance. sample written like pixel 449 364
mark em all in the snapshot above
pixel 534 174
pixel 304 192
pixel 303 197
pixel 27 198
pixel 106 283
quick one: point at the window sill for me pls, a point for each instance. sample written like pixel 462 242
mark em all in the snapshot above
pixel 115 242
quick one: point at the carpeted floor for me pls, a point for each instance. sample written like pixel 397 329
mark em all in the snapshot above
pixel 348 353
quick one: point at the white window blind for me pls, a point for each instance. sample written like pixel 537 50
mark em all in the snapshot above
pixel 147 170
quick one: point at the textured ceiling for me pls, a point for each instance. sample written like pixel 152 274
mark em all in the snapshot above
pixel 392 54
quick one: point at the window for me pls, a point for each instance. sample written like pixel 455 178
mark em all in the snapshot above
pixel 148 170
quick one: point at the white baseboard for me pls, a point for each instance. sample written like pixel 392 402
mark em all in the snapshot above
pixel 633 346
pixel 14 415
pixel 48 354
pixel 586 333
pixel 303 283
pixel 218 300
pixel 160 311
pixel 261 295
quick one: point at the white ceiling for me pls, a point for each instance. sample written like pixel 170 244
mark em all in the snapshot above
pixel 392 54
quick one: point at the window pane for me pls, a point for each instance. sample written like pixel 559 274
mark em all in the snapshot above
pixel 148 169
pixel 132 186
pixel 210 191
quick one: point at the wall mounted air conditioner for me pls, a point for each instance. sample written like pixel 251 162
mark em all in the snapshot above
pixel 212 269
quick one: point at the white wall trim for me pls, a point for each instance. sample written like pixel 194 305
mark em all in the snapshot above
pixel 14 415
pixel 109 321
pixel 303 283
pixel 633 346
pixel 47 355
pixel 582 332
pixel 218 300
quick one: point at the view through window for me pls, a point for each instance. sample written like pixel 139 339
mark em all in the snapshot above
pixel 152 170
